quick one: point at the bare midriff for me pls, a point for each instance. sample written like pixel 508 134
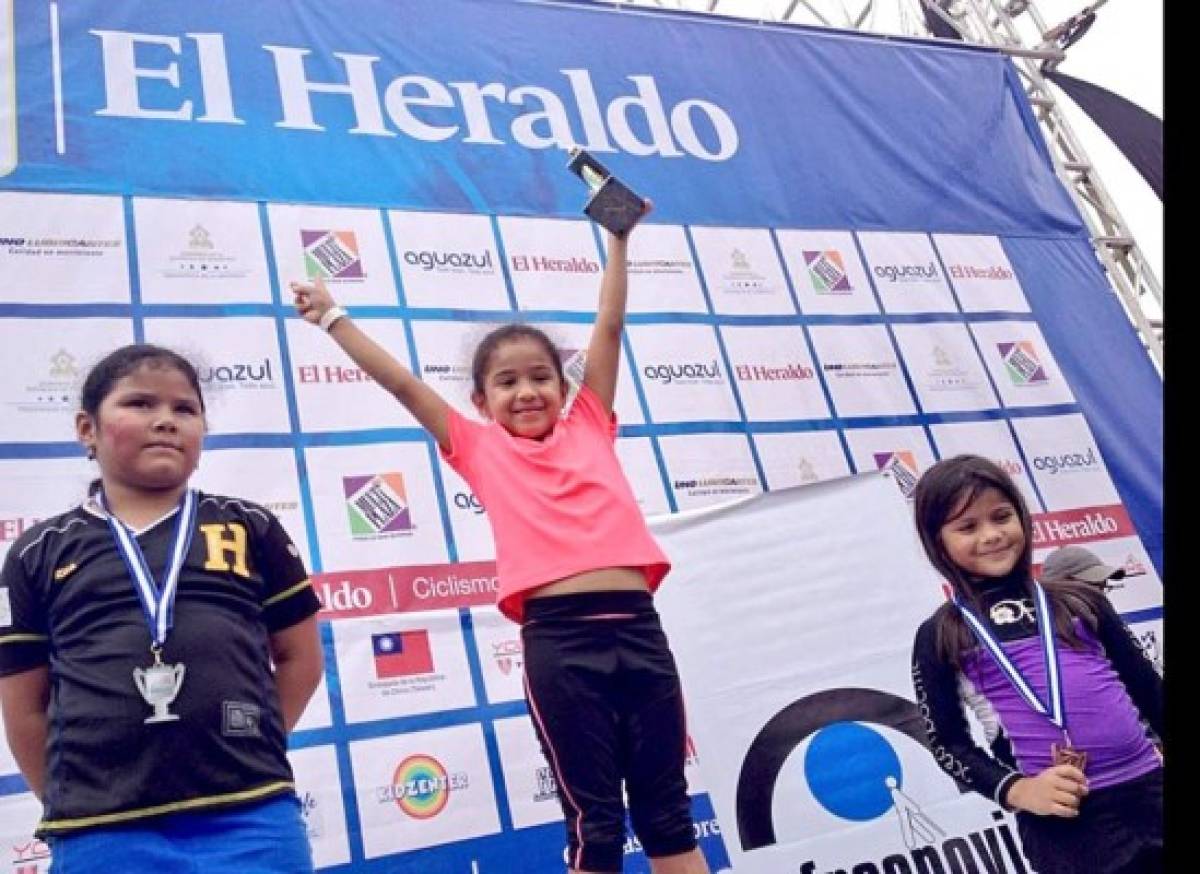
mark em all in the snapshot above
pixel 608 579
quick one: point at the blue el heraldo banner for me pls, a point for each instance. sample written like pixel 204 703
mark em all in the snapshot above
pixel 860 259
pixel 467 106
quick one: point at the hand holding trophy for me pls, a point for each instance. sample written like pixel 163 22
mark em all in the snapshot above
pixel 612 204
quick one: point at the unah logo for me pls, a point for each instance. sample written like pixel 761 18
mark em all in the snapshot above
pixel 201 259
pixel 56 390
pixel 331 254
pixel 827 272
pixel 1022 363
pixel 902 465
pixel 421 786
pixel 199 238
pixel 947 375
pixel 377 504
pixel 741 277
pixel 62 365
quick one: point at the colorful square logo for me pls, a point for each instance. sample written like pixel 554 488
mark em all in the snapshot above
pixel 1022 363
pixel 377 504
pixel 902 465
pixel 331 254
pixel 826 272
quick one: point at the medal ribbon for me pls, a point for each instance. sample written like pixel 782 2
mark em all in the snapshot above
pixel 158 602
pixel 1052 710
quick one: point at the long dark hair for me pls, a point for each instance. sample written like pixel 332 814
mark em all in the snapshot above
pixel 942 493
pixel 506 334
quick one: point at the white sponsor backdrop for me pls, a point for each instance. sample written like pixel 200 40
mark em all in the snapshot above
pixel 800 567
pixel 754 359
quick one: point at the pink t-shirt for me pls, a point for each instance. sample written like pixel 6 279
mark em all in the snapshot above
pixel 558 506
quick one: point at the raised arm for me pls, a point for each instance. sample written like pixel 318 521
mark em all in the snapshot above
pixel 604 348
pixel 313 301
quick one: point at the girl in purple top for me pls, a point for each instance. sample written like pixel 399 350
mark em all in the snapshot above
pixel 1054 677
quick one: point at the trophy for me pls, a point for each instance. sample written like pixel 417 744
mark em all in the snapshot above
pixel 159 684
pixel 612 204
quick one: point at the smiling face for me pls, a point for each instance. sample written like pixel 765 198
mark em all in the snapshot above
pixel 147 431
pixel 984 536
pixel 522 388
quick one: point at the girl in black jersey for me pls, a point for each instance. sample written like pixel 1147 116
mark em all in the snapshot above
pixel 1048 669
pixel 156 646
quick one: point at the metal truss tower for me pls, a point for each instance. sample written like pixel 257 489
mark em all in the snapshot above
pixel 1016 28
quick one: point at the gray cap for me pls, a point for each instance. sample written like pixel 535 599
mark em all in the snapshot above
pixel 1077 563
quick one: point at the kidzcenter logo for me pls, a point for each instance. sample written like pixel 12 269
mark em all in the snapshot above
pixel 902 465
pixel 331 255
pixel 827 272
pixel 421 787
pixel 377 504
pixel 1022 363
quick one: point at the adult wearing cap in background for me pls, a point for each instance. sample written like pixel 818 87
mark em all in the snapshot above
pixel 1081 565
pixel 1084 566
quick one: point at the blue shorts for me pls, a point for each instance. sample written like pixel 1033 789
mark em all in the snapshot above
pixel 264 838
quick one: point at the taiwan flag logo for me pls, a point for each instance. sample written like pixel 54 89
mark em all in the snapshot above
pixel 401 654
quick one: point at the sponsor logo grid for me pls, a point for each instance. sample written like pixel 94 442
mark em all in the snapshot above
pixel 430 674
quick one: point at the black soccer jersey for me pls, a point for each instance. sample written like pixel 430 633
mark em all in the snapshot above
pixel 70 604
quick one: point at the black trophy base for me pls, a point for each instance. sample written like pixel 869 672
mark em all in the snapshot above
pixel 615 207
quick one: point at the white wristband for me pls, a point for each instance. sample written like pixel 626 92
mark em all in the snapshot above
pixel 331 315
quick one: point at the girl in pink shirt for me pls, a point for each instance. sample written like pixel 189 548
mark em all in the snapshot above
pixel 577 568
